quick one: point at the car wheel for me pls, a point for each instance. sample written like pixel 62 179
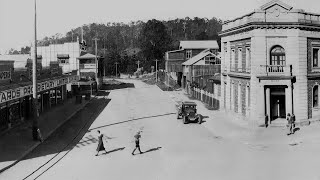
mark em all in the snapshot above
pixel 185 120
pixel 200 119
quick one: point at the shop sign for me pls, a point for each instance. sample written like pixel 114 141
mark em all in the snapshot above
pixel 89 66
pixel 5 75
pixel 28 90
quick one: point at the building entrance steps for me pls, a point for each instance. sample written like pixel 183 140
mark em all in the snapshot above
pixel 18 142
pixel 279 122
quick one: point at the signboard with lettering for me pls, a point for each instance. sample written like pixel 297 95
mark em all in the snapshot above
pixel 5 75
pixel 89 66
pixel 12 94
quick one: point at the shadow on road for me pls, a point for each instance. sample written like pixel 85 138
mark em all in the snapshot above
pixel 153 149
pixel 121 122
pixel 115 150
pixel 71 133
pixel 116 86
pixel 103 93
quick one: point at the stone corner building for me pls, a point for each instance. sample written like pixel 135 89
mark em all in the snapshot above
pixel 270 64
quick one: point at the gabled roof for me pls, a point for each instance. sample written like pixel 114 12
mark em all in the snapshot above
pixel 197 58
pixel 88 56
pixel 206 44
pixel 175 50
pixel 275 2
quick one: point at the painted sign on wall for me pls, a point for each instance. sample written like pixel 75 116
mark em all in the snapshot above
pixel 12 94
pixel 5 75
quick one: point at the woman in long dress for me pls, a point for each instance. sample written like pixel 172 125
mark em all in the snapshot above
pixel 100 144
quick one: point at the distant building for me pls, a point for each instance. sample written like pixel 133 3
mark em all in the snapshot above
pixel 270 64
pixel 65 54
pixel 88 67
pixel 188 49
pixel 200 68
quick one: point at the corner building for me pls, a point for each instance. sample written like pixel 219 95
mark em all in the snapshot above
pixel 270 64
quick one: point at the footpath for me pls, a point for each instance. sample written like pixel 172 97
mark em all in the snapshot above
pixel 16 143
pixel 227 125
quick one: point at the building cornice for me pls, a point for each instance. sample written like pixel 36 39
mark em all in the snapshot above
pixel 270 25
pixel 313 76
pixel 239 75
pixel 275 77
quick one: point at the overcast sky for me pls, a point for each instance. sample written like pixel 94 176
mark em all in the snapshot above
pixel 60 16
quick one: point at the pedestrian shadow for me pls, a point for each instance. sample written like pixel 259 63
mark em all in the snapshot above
pixel 152 149
pixel 115 150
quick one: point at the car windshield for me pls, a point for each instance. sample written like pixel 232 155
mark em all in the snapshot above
pixel 188 107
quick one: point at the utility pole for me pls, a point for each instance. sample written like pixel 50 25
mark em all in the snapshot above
pixel 96 60
pixel 116 63
pixel 34 79
pixel 138 62
pixel 156 69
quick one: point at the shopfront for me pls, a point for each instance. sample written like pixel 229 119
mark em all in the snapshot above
pixel 16 104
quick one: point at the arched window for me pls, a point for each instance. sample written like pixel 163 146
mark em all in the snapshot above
pixel 315 96
pixel 277 56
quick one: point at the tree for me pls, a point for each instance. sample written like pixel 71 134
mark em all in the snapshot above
pixel 154 42
pixel 25 50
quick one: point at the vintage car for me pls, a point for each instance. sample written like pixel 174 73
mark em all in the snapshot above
pixel 188 112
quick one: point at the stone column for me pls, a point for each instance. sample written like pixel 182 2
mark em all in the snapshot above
pixel 260 104
pixel 247 101
pixel 289 99
pixel 239 99
pixel 268 103
pixel 232 97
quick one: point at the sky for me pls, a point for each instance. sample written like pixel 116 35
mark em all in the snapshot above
pixel 60 16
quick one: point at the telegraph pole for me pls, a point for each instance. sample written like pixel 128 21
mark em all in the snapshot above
pixel 156 69
pixel 34 79
pixel 96 60
pixel 116 63
pixel 138 62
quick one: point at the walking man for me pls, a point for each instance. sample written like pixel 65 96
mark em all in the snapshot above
pixel 293 120
pixel 137 141
pixel 266 119
pixel 289 119
pixel 100 144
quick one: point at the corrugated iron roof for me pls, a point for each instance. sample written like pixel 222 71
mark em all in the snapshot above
pixel 206 44
pixel 197 58
pixel 175 50
pixel 88 56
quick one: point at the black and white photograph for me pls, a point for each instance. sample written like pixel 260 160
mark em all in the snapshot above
pixel 159 90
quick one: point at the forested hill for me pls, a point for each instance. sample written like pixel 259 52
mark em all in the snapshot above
pixel 153 38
